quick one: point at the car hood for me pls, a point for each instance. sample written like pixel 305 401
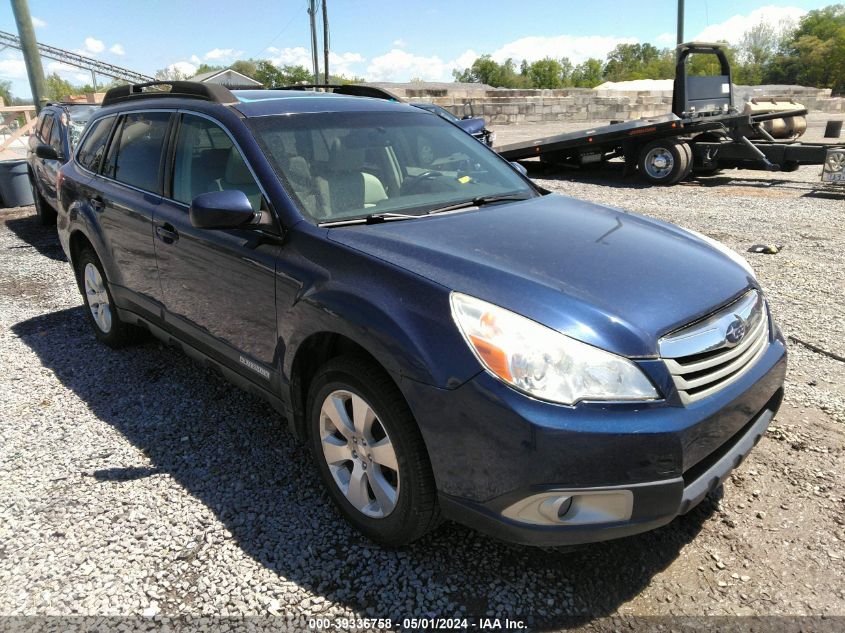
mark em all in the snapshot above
pixel 471 126
pixel 604 276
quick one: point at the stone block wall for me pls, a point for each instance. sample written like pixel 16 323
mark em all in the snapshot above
pixel 504 107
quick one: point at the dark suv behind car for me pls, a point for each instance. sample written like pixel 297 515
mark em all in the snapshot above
pixel 56 133
pixel 451 340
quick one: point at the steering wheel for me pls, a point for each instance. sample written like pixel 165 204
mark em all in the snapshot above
pixel 412 184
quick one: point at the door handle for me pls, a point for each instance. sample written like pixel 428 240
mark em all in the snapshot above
pixel 167 233
pixel 97 203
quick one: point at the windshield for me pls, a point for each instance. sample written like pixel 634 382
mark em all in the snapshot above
pixel 349 165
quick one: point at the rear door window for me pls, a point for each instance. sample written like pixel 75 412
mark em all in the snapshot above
pixel 135 153
pixel 91 152
pixel 206 160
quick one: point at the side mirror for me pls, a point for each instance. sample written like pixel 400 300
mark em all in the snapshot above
pixel 520 168
pixel 468 111
pixel 221 210
pixel 47 152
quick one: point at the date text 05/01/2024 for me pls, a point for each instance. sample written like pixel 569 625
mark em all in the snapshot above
pixel 431 624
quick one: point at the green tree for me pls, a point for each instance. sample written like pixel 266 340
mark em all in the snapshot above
pixel 298 74
pixel 170 74
pixel 488 71
pixel 246 67
pixel 268 74
pixel 814 55
pixel 630 61
pixel 6 92
pixel 56 88
pixel 547 73
pixel 208 68
pixel 588 74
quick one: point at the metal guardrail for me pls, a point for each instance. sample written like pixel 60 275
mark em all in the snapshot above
pixel 80 61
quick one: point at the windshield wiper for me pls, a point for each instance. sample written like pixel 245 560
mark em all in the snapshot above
pixel 372 218
pixel 480 201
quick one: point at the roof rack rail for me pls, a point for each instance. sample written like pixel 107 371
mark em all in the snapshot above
pixel 70 103
pixel 349 90
pixel 163 89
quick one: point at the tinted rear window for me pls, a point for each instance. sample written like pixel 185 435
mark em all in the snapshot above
pixel 136 150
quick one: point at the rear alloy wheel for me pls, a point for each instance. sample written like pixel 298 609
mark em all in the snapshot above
pixel 46 214
pixel 665 161
pixel 369 452
pixel 99 303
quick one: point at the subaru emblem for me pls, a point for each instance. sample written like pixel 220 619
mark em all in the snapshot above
pixel 735 331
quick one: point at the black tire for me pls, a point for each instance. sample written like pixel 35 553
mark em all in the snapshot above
pixel 46 214
pixel 690 161
pixel 118 333
pixel 664 161
pixel 416 511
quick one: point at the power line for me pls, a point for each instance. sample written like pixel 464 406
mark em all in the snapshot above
pixel 296 14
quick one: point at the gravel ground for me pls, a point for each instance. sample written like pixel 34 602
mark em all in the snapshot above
pixel 132 482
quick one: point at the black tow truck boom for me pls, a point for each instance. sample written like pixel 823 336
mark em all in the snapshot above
pixel 705 132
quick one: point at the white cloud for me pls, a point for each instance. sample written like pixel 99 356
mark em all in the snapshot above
pixel 343 63
pixel 118 49
pixel 666 39
pixel 400 43
pixel 195 60
pixel 465 59
pixel 576 47
pixel 13 68
pixel 339 63
pixel 295 56
pixel 732 29
pixel 182 68
pixel 93 45
pixel 223 54
pixel 38 23
pixel 60 68
pixel 399 65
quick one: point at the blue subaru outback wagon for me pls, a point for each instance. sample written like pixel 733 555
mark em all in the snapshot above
pixel 451 340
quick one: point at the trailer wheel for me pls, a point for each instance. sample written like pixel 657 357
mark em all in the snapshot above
pixel 665 161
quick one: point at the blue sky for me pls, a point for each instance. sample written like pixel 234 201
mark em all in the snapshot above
pixel 377 39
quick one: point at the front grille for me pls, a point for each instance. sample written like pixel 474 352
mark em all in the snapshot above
pixel 710 354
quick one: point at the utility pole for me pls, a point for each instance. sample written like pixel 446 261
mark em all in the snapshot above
pixel 312 12
pixel 325 41
pixel 31 57
pixel 680 22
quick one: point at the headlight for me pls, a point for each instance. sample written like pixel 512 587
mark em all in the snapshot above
pixel 725 250
pixel 542 362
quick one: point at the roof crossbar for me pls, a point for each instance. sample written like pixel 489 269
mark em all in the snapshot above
pixel 349 90
pixel 164 89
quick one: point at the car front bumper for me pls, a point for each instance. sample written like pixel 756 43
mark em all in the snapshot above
pixel 493 450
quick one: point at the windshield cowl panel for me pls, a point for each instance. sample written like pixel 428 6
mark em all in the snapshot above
pixel 355 165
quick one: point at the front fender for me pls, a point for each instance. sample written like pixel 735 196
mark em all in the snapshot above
pixel 400 318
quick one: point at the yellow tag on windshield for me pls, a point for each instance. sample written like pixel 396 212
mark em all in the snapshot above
pixel 464 179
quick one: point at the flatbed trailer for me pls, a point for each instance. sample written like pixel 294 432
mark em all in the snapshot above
pixel 703 134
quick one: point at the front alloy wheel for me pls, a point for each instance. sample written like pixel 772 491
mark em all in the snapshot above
pixel 359 454
pixel 370 453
